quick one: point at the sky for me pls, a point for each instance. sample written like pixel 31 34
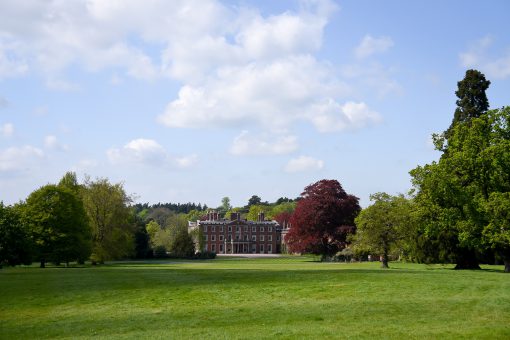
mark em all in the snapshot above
pixel 192 101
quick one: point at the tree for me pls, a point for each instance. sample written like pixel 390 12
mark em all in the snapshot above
pixel 460 197
pixel 254 200
pixel 225 205
pixel 381 226
pixel 182 245
pixel 107 206
pixel 15 242
pixel 58 223
pixel 255 210
pixel 323 217
pixel 472 102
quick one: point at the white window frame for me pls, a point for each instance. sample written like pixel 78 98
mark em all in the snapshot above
pixel 270 238
pixel 205 228
pixel 261 229
pixel 261 249
pixel 270 229
pixel 262 237
pixel 213 228
pixel 253 229
pixel 221 237
pixel 213 247
pixel 221 229
pixel 213 237
pixel 254 238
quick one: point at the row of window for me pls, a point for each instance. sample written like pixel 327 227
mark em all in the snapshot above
pixel 238 238
pixel 238 229
pixel 221 248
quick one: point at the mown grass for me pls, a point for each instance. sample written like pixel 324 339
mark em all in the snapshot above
pixel 287 298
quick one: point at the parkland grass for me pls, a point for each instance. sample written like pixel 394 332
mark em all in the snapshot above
pixel 287 298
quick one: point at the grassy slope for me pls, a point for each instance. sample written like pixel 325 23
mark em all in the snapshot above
pixel 266 298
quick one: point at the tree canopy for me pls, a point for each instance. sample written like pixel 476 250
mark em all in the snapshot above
pixel 323 217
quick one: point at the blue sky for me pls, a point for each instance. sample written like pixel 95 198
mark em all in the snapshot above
pixel 197 100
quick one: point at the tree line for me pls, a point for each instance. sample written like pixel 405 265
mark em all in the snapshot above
pixel 458 210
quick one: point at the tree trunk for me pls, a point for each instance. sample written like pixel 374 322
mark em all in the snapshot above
pixel 43 264
pixel 467 260
pixel 507 265
pixel 384 261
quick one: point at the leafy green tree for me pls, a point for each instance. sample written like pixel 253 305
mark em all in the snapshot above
pixel 381 226
pixel 182 245
pixel 225 205
pixel 152 229
pixel 107 206
pixel 15 242
pixel 496 234
pixel 284 207
pixel 254 200
pixel 458 195
pixel 255 210
pixel 58 223
pixel 472 101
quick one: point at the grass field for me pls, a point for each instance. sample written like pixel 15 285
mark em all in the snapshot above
pixel 288 298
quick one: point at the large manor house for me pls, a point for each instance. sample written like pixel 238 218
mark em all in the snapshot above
pixel 239 236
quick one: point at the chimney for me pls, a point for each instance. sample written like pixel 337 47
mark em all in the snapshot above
pixel 261 217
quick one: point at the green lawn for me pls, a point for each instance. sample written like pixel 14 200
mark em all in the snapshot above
pixel 288 298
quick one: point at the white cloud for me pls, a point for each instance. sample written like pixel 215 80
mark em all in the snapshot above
pixel 370 45
pixel 6 130
pixel 147 152
pixel 331 116
pixel 247 144
pixel 304 163
pixel 186 162
pixel 19 158
pixel 477 56
pixel 51 142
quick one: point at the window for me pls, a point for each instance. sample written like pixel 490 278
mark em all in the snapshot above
pixel 229 228
pixel 205 237
pixel 261 248
pixel 262 237
pixel 277 237
pixel 269 249
pixel 269 238
pixel 221 248
pixel 213 228
pixel 246 237
pixel 238 229
pixel 205 246
pixel 237 237
pixel 245 228
pixel 254 237
pixel 205 228
pixel 213 238
pixel 229 237
pixel 261 229
pixel 253 248
pixel 221 237
pixel 270 229
pixel 253 229
pixel 213 247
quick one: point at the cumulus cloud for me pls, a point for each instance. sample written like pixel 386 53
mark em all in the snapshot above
pixel 477 56
pixel 51 142
pixel 6 130
pixel 147 152
pixel 370 45
pixel 19 158
pixel 304 163
pixel 246 144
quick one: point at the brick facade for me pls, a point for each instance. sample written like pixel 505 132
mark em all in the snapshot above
pixel 237 236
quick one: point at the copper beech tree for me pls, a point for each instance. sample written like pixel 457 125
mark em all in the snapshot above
pixel 323 217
